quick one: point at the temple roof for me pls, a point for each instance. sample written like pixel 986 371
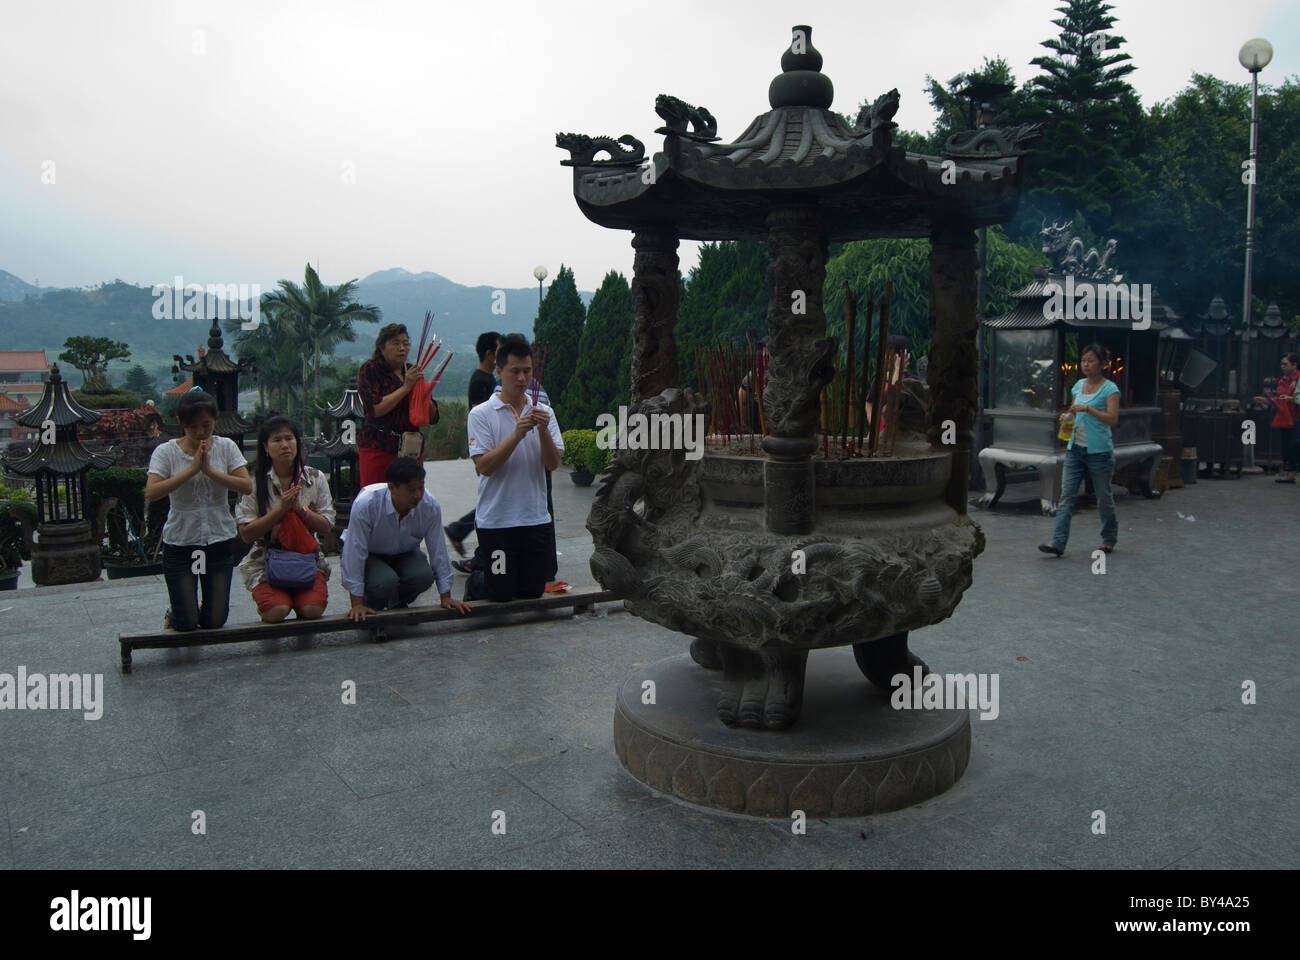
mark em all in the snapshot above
pixel 214 360
pixel 801 151
pixel 64 457
pixel 57 404
pixel 229 424
pixel 348 406
pixel 337 448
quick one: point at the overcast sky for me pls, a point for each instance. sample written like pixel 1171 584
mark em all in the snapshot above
pixel 214 140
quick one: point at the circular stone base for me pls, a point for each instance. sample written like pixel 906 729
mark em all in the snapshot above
pixel 851 754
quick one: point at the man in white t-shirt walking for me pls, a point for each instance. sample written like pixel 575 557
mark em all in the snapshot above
pixel 513 443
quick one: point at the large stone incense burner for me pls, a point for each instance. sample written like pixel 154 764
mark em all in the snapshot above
pixel 687 545
pixel 761 559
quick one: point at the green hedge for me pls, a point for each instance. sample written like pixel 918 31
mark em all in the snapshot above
pixel 117 399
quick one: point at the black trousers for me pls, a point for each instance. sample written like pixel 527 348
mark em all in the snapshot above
pixel 395 580
pixel 518 562
pixel 460 529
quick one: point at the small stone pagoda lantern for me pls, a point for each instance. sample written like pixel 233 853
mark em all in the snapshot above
pixel 64 549
pixel 345 475
pixel 216 373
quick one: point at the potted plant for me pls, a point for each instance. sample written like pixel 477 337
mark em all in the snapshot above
pixel 13 545
pixel 115 497
pixel 577 443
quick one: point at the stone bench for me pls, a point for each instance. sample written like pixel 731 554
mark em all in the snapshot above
pixel 377 625
pixel 1003 466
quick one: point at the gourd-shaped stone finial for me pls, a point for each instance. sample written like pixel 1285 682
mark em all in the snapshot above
pixel 801 82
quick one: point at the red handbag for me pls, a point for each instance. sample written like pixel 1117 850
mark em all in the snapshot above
pixel 294 535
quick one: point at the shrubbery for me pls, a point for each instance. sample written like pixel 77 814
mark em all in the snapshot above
pixel 582 453
pixel 448 439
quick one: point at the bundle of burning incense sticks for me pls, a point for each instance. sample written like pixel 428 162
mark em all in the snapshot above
pixel 426 355
pixel 537 375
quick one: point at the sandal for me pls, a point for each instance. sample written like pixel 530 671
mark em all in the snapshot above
pixel 462 566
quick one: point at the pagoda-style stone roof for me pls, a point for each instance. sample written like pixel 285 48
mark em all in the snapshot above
pixel 214 360
pixel 229 424
pixel 1073 270
pixel 57 404
pixel 349 406
pixel 801 151
pixel 64 457
pixel 337 448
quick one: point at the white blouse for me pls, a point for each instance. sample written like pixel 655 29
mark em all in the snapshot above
pixel 200 508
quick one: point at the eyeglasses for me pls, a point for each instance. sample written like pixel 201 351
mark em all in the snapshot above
pixel 399 343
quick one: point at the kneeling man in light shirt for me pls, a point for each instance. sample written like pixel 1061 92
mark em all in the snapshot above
pixel 513 442
pixel 382 563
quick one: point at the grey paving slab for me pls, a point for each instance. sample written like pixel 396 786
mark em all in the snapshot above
pixel 381 761
pixel 446 822
pixel 149 821
pixel 60 751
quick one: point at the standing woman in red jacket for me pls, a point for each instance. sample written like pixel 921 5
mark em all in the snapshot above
pixel 385 382
pixel 1287 419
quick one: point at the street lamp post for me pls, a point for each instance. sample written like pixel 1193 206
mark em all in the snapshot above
pixel 1254 56
pixel 540 274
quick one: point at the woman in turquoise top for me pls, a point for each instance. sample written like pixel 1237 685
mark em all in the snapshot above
pixel 1095 410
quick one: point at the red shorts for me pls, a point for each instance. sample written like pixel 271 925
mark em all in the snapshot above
pixel 373 464
pixel 267 596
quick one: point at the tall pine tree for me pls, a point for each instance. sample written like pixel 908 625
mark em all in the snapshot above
pixel 559 330
pixel 725 298
pixel 602 355
pixel 1093 123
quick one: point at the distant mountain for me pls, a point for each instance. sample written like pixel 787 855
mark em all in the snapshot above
pixel 12 288
pixel 122 311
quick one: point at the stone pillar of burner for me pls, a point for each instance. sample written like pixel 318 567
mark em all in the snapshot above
pixel 655 293
pixel 801 365
pixel 953 279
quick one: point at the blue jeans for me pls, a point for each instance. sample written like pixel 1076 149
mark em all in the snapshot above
pixel 1100 466
pixel 183 584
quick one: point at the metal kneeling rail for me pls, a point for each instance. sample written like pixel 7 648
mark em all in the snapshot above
pixel 376 624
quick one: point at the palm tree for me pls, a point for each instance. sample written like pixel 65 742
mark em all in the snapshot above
pixel 314 317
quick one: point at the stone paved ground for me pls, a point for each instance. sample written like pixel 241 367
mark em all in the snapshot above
pixel 1127 700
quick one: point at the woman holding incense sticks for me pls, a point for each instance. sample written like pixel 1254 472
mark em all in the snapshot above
pixel 385 383
pixel 289 508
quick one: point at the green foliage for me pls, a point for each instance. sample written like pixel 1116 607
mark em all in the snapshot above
pixel 299 323
pixel 1093 121
pixel 1187 234
pixel 866 266
pixel 12 547
pixel 138 381
pixel 448 439
pixel 113 400
pixel 725 297
pixel 145 521
pixel 559 330
pixel 92 355
pixel 583 453
pixel 602 354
